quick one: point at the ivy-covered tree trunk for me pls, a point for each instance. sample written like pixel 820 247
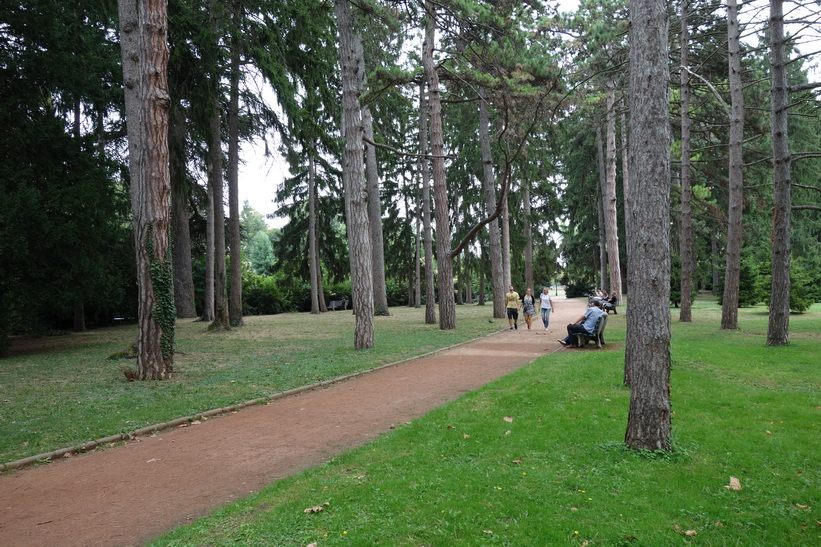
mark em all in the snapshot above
pixel 732 268
pixel 144 28
pixel 497 273
pixel 779 322
pixel 648 242
pixel 611 219
pixel 424 170
pixel 447 306
pixel 354 175
pixel 235 240
pixel 686 220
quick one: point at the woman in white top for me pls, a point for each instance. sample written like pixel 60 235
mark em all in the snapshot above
pixel 547 306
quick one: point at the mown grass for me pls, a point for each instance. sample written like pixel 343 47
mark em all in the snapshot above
pixel 63 390
pixel 536 458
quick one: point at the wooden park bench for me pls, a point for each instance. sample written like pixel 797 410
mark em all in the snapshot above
pixel 597 335
pixel 338 304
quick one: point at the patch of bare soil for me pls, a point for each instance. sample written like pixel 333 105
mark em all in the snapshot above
pixel 132 493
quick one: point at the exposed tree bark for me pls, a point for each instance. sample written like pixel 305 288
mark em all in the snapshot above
pixel 79 317
pixel 686 221
pixel 417 291
pixel 647 359
pixel 611 219
pixel 380 290
pixel 354 176
pixel 209 290
pixel 235 241
pixel 505 224
pixel 716 280
pixel 600 156
pixel 430 285
pixel 312 250
pixel 447 306
pixel 779 321
pixel 732 269
pixel 528 233
pixel 144 28
pixel 180 213
pixel 497 274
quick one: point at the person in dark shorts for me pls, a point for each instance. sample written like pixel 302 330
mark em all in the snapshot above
pixel 513 304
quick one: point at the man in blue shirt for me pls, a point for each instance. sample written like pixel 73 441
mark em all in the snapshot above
pixel 586 323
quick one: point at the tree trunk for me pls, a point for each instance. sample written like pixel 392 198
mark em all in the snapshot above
pixel 417 294
pixel 779 322
pixel 648 316
pixel 506 241
pixel 603 283
pixel 79 317
pixel 714 259
pixel 686 221
pixel 528 233
pixel 430 285
pixel 732 269
pixel 235 241
pixel 380 290
pixel 209 291
pixel 144 28
pixel 447 306
pixel 468 281
pixel 611 219
pixel 183 272
pixel 312 251
pixel 354 174
pixel 497 273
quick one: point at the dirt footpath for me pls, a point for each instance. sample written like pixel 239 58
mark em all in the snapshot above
pixel 132 493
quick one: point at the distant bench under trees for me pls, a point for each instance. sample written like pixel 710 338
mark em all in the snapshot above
pixel 338 304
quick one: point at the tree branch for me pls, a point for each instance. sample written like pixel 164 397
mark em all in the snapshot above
pixel 407 154
pixel 803 87
pixel 713 89
pixel 806 207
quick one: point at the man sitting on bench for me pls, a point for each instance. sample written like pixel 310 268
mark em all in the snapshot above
pixel 585 324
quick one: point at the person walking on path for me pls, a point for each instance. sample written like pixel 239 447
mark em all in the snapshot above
pixel 513 305
pixel 547 306
pixel 529 307
pixel 584 324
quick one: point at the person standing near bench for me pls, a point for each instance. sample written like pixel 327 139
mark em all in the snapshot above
pixel 512 303
pixel 586 323
pixel 547 306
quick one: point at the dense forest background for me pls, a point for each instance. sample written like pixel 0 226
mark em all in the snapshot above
pixel 534 116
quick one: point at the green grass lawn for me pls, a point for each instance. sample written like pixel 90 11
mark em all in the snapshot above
pixel 61 391
pixel 536 458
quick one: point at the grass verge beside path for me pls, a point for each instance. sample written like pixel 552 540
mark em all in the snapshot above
pixel 62 391
pixel 536 458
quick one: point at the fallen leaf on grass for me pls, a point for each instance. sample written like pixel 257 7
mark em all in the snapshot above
pixel 735 484
pixel 316 508
pixel 465 435
pixel 690 532
pixel 517 460
pixel 585 543
pixel 488 531
pixel 508 419
pixel 507 432
pixel 768 432
pixel 574 508
pixel 314 544
pixel 802 506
